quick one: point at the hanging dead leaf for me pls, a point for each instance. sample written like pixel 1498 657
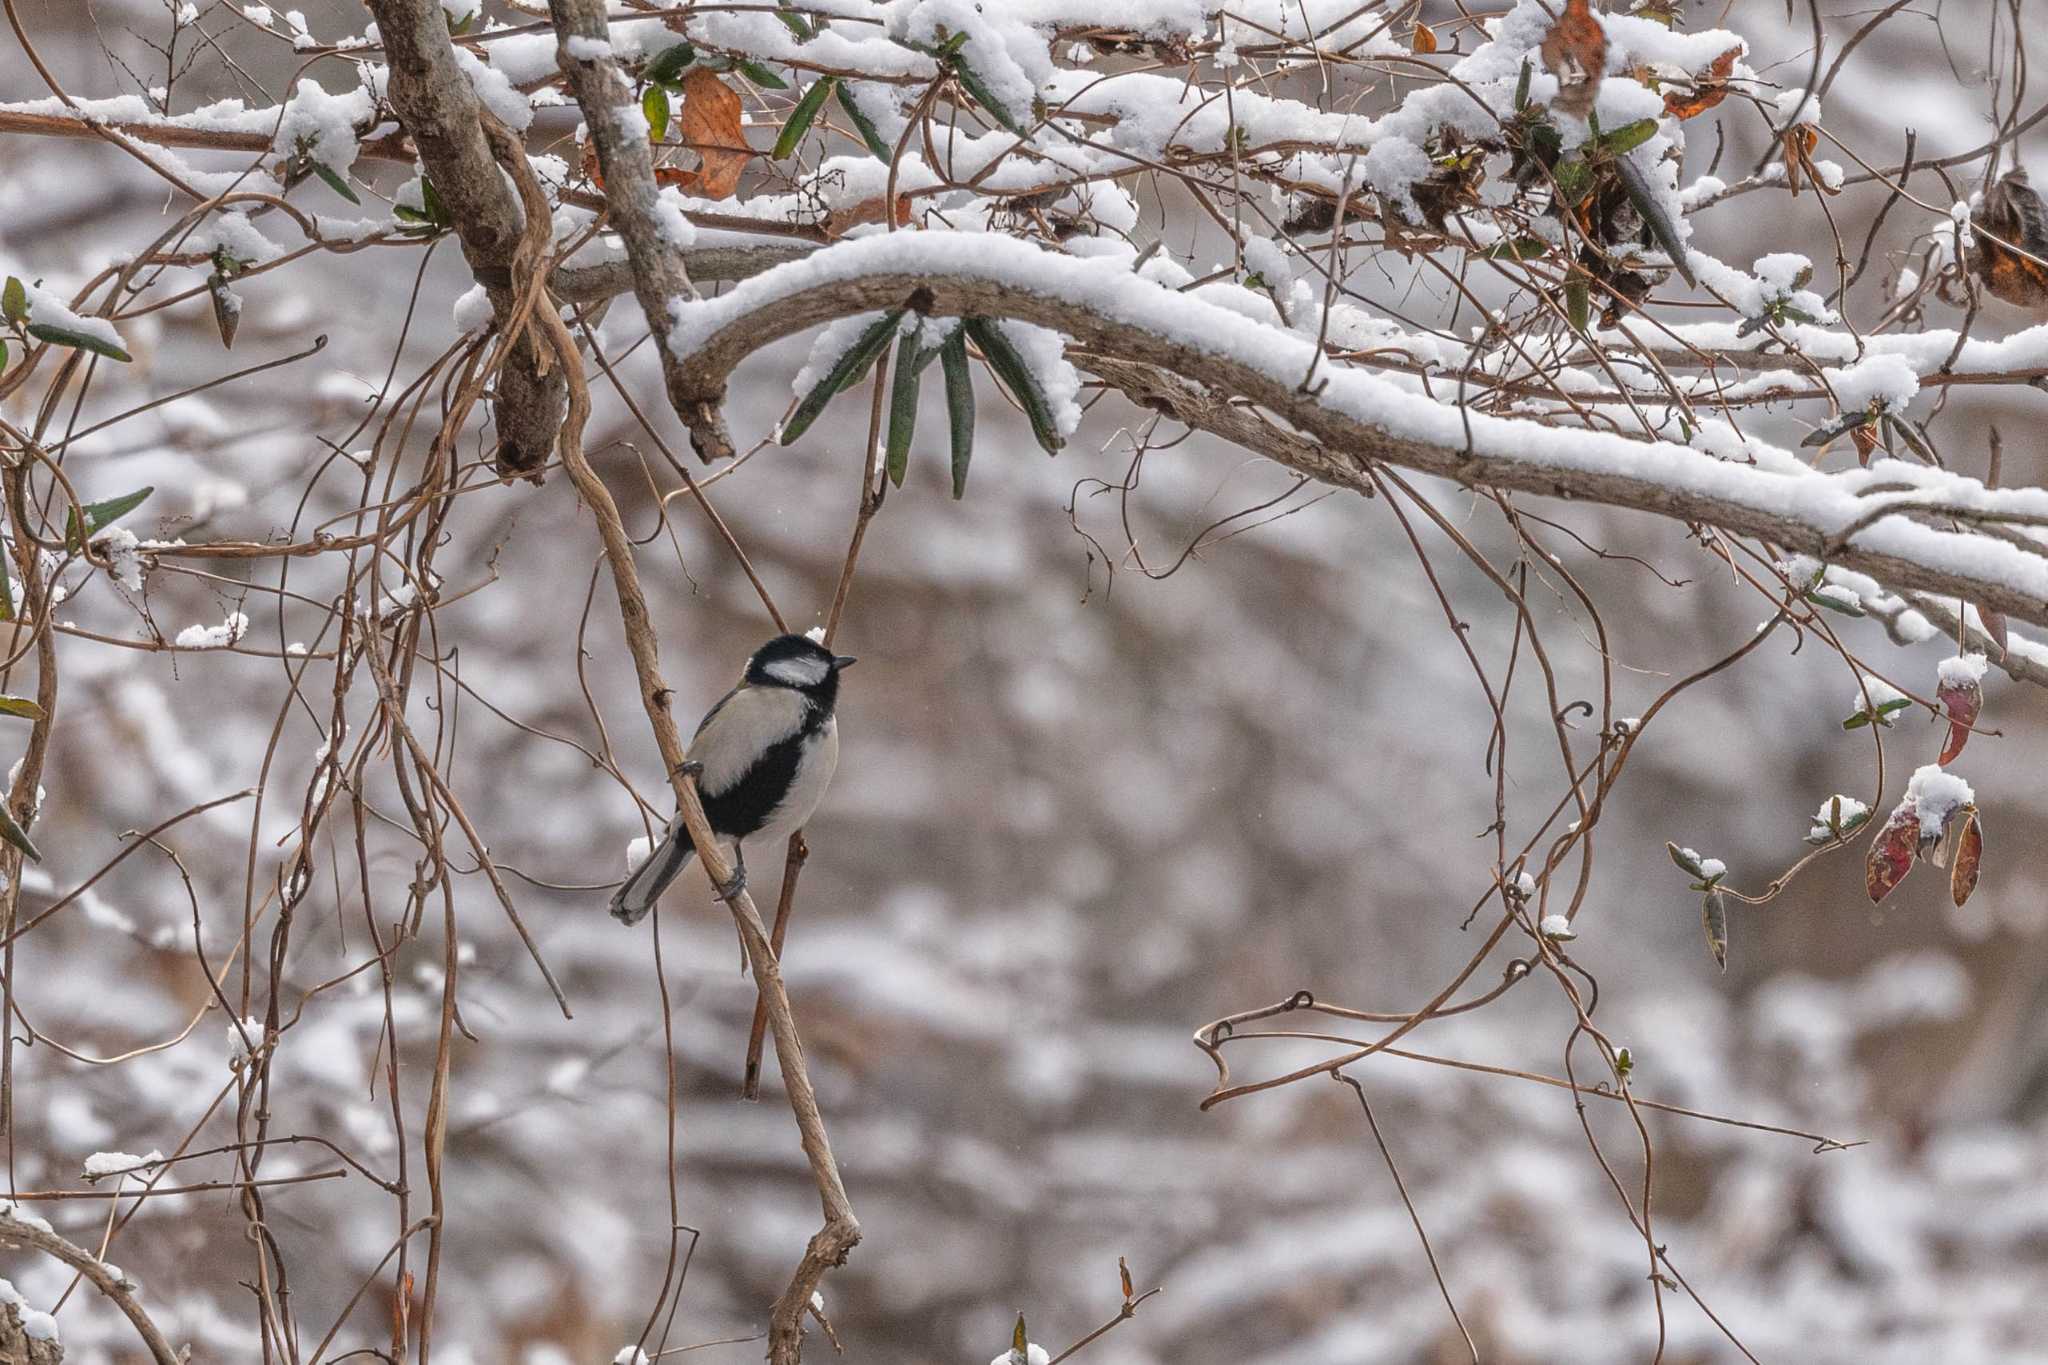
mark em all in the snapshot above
pixel 841 221
pixel 1423 40
pixel 710 126
pixel 1994 626
pixel 1797 144
pixel 1575 51
pixel 2010 257
pixel 1962 698
pixel 1891 852
pixel 1707 91
pixel 1865 437
pixel 1962 878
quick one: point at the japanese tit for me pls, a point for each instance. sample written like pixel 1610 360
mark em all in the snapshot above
pixel 763 757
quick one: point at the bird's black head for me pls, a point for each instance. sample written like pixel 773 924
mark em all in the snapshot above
pixel 801 664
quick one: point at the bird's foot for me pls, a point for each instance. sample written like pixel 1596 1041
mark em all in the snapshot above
pixel 729 890
pixel 690 768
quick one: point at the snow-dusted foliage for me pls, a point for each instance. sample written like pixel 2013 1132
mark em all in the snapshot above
pixel 363 583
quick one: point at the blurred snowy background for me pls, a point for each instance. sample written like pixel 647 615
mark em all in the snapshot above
pixel 1075 819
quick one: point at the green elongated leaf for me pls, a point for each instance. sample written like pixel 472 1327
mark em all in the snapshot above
pixel 1009 367
pixel 803 116
pixel 14 834
pixel 6 588
pixel 1629 136
pixel 20 706
pixel 794 22
pixel 959 405
pixel 99 514
pixel 1841 604
pixel 857 358
pixel 655 109
pixel 761 75
pixel 3 354
pixel 1516 249
pixel 14 300
pixel 1573 178
pixel 1578 300
pixel 84 341
pixel 668 64
pixel 902 409
pixel 1661 226
pixel 1828 431
pixel 430 200
pixel 333 181
pixel 978 90
pixel 863 125
pixel 1522 85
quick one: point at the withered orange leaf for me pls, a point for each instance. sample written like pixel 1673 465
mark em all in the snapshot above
pixel 1891 852
pixel 1797 144
pixel 1424 39
pixel 1962 878
pixel 710 126
pixel 1707 91
pixel 2012 242
pixel 1575 51
pixel 843 220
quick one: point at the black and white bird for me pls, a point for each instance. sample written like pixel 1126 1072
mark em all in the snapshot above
pixel 763 757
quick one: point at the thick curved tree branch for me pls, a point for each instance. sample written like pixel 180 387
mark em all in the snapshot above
pixel 14 1228
pixel 440 110
pixel 1170 350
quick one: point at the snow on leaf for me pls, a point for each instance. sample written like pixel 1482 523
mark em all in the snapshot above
pixel 1960 691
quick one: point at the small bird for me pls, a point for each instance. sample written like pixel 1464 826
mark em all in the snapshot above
pixel 762 756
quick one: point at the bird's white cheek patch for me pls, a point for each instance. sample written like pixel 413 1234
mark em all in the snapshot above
pixel 798 672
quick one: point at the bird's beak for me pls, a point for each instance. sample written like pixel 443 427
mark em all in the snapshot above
pixel 840 661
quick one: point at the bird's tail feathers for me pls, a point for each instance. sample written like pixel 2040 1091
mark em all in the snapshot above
pixel 633 900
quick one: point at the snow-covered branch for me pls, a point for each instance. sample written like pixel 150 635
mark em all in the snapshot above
pixel 1354 417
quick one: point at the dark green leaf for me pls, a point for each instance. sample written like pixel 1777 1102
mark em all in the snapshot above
pixel 14 300
pixel 102 514
pixel 1661 226
pixel 761 76
pixel 3 354
pixel 668 64
pixel 959 405
pixel 1573 178
pixel 6 588
pixel 902 409
pixel 1016 376
pixel 14 834
pixel 1828 431
pixel 801 118
pixel 1516 249
pixel 863 125
pixel 430 199
pixel 1522 85
pixel 333 181
pixel 1912 436
pixel 1629 136
pixel 794 22
pixel 1578 300
pixel 654 108
pixel 20 706
pixel 84 341
pixel 980 93
pixel 857 358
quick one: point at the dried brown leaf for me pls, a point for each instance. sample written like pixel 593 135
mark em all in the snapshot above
pixel 1575 51
pixel 1962 878
pixel 1707 91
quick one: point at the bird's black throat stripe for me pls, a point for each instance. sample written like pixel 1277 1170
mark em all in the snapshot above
pixel 743 808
